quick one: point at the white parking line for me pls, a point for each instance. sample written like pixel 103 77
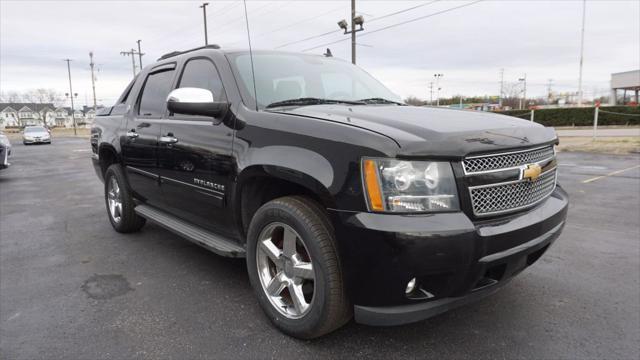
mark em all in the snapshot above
pixel 609 174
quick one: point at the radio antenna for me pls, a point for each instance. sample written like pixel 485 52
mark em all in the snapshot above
pixel 253 71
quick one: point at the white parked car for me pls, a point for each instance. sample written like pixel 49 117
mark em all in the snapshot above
pixel 5 151
pixel 36 135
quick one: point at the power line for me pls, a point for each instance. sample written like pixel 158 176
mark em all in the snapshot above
pixel 299 22
pixel 235 20
pixel 398 24
pixel 422 17
pixel 227 8
pixel 191 26
pixel 133 54
pixel 308 38
pixel 371 20
pixel 401 11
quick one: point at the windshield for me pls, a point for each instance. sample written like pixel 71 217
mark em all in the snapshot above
pixel 281 77
pixel 34 129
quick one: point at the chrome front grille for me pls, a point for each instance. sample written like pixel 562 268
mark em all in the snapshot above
pixel 508 192
pixel 511 196
pixel 500 198
pixel 483 163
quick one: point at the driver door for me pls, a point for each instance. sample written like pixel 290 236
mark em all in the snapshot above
pixel 195 155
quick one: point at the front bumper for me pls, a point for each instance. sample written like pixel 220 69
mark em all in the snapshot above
pixel 456 260
pixel 37 141
pixel 5 151
pixel 97 167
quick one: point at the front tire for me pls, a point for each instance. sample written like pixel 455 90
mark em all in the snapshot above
pixel 295 268
pixel 119 202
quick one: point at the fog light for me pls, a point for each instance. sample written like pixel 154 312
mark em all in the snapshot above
pixel 411 286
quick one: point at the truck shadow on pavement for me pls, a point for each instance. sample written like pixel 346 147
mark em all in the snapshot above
pixel 449 332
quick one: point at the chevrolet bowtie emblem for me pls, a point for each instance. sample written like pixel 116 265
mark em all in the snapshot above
pixel 531 172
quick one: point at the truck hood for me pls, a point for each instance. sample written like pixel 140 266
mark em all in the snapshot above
pixel 426 131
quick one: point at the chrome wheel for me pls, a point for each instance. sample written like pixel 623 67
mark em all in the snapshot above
pixel 114 200
pixel 285 270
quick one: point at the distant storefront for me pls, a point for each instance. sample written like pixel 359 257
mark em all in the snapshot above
pixel 623 82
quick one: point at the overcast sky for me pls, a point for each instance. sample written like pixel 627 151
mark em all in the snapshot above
pixel 468 45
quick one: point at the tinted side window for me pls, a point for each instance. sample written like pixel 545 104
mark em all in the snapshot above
pixel 153 101
pixel 201 73
pixel 125 95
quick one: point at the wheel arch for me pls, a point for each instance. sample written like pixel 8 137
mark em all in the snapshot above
pixel 107 155
pixel 258 184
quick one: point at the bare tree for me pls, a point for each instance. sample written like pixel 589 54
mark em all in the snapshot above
pixel 10 96
pixel 412 100
pixel 40 97
pixel 511 95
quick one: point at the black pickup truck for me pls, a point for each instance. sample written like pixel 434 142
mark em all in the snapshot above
pixel 344 201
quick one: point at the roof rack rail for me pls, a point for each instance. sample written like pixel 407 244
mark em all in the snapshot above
pixel 176 53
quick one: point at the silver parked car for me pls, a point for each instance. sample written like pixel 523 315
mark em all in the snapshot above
pixel 5 151
pixel 36 135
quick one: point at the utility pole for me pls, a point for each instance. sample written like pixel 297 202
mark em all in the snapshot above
pixel 73 112
pixel 584 9
pixel 355 20
pixel 431 93
pixel 549 94
pixel 204 13
pixel 140 53
pixel 93 82
pixel 524 91
pixel 133 54
pixel 438 88
pixel 501 87
pixel 353 32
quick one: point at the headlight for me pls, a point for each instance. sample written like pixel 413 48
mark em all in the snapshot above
pixel 409 186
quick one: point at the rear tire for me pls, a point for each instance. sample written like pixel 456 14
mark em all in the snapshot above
pixel 300 287
pixel 119 202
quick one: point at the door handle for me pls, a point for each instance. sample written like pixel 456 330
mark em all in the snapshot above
pixel 132 134
pixel 168 139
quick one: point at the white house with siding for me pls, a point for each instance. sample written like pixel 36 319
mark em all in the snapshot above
pixel 18 115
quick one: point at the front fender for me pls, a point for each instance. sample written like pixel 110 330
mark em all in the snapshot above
pixel 301 166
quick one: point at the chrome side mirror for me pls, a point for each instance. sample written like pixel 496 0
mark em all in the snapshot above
pixel 195 101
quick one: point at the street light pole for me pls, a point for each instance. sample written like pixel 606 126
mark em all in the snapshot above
pixel 353 32
pixel 93 82
pixel 204 13
pixel 501 87
pixel 438 76
pixel 140 54
pixel 524 91
pixel 73 112
pixel 431 93
pixel 584 9
pixel 355 20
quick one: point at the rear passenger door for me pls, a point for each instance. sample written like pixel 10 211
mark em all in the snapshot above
pixel 195 155
pixel 140 145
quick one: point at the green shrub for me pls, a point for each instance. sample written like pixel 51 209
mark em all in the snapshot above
pixel 581 116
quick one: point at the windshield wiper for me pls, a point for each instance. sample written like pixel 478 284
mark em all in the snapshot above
pixel 376 100
pixel 312 101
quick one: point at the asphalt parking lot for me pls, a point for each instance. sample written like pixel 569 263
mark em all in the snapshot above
pixel 72 288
